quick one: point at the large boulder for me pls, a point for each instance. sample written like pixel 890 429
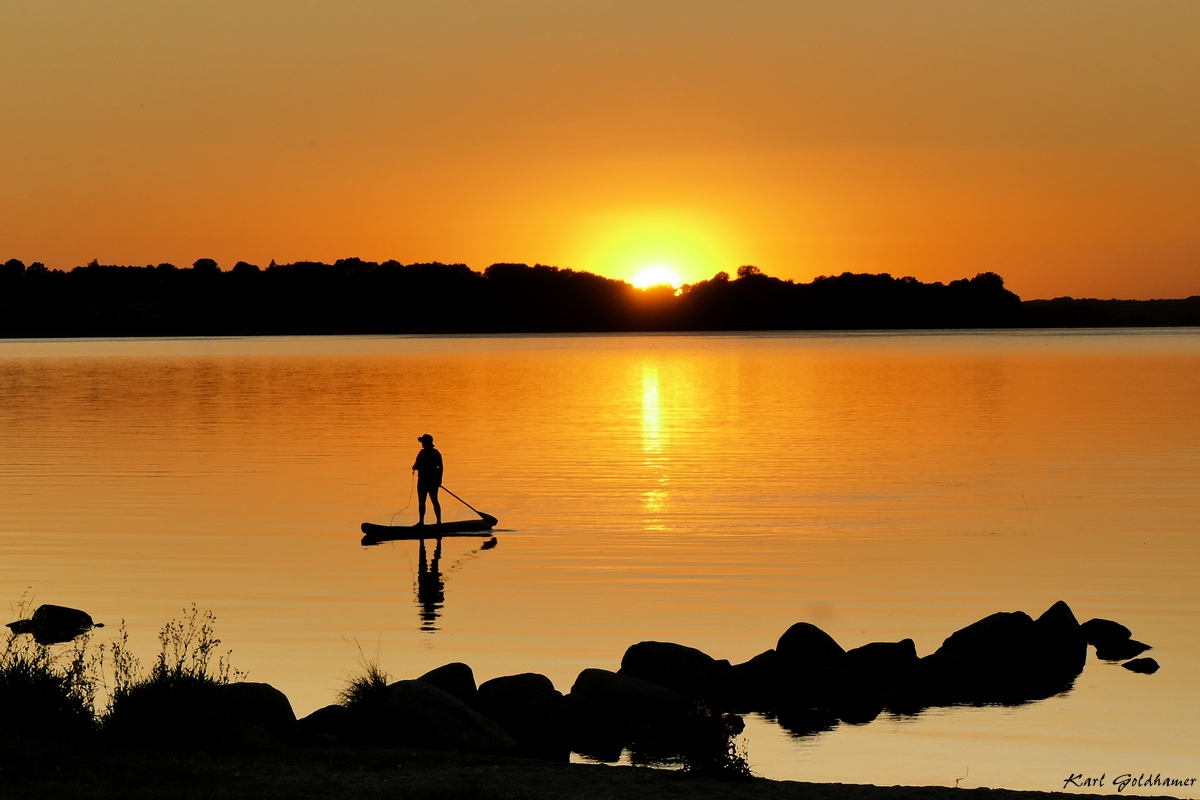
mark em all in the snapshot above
pixel 455 679
pixel 531 711
pixel 629 699
pixel 883 663
pixel 1062 644
pixel 804 647
pixel 418 714
pixel 260 705
pixel 1006 657
pixel 1104 632
pixel 592 731
pixel 754 685
pixel 1005 636
pixel 333 721
pixel 689 671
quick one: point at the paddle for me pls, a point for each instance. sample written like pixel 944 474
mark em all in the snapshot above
pixel 488 518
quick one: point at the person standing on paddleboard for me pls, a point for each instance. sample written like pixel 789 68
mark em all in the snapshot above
pixel 428 467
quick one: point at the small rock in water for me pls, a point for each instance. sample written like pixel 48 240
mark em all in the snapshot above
pixel 1121 650
pixel 55 624
pixel 1145 666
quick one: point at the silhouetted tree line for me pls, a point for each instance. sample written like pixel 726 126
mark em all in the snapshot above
pixel 355 296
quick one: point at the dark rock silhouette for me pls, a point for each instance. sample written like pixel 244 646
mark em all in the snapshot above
pixel 1112 640
pixel 631 700
pixel 189 711
pixel 334 721
pixel 455 679
pixel 259 705
pixel 687 670
pixel 1001 637
pixel 55 624
pixel 418 714
pixel 1119 651
pixel 804 647
pixel 1104 632
pixel 531 711
pixel 592 730
pixel 1006 657
pixel 1061 640
pixel 1146 666
pixel 755 684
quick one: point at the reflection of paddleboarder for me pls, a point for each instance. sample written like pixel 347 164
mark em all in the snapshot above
pixel 430 589
pixel 428 467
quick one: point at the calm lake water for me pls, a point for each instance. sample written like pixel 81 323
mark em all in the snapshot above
pixel 707 490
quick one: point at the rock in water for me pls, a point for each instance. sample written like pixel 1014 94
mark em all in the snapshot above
pixel 1104 632
pixel 55 624
pixel 689 671
pixel 1003 636
pixel 1146 666
pixel 531 711
pixel 805 647
pixel 1062 644
pixel 419 714
pixel 755 685
pixel 1119 651
pixel 455 679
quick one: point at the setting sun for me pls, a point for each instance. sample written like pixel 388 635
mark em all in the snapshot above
pixel 657 275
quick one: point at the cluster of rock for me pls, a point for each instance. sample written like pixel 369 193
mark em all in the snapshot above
pixel 667 696
pixel 666 699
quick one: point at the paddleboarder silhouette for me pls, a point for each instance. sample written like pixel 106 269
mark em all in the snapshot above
pixel 428 467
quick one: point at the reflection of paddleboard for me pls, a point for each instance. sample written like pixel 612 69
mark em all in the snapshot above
pixel 391 533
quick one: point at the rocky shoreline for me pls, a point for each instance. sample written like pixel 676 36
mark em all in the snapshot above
pixel 667 703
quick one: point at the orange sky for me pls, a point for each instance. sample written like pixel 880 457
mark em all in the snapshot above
pixel 1057 143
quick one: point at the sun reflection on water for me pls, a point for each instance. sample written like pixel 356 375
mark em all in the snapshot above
pixel 653 499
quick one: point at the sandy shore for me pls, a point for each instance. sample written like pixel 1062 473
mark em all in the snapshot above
pixel 27 772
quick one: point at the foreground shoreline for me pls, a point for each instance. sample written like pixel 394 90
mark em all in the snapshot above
pixel 30 770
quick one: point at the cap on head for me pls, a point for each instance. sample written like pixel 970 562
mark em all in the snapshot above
pixel 425 438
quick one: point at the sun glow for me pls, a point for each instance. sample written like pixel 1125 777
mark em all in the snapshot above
pixel 657 275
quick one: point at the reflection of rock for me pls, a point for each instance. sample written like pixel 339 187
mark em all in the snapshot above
pixel 1146 666
pixel 418 714
pixel 807 721
pixel 455 679
pixel 1104 632
pixel 55 624
pixel 260 705
pixel 687 670
pixel 530 710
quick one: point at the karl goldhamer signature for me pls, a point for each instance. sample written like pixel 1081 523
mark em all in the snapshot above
pixel 1127 781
